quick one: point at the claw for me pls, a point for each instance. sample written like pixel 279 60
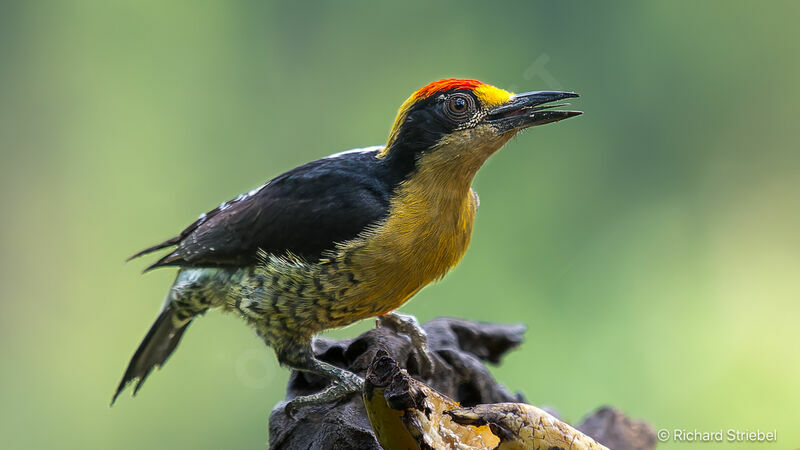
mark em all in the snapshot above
pixel 344 387
pixel 290 409
pixel 409 326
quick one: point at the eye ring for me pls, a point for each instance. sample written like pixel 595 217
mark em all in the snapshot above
pixel 459 106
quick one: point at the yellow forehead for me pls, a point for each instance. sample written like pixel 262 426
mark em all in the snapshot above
pixel 491 96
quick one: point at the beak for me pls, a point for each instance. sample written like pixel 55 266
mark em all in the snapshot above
pixel 530 109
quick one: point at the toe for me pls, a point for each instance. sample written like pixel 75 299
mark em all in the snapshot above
pixel 426 363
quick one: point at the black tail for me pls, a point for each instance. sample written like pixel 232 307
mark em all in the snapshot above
pixel 154 350
pixel 165 244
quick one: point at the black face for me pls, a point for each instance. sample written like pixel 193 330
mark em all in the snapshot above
pixel 443 113
pixel 431 119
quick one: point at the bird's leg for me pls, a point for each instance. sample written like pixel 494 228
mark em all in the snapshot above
pixel 409 326
pixel 343 382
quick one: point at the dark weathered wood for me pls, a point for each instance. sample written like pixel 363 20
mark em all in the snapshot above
pixel 461 349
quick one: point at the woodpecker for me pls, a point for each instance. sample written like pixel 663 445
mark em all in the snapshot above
pixel 346 237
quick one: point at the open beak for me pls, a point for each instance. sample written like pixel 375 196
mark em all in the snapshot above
pixel 530 109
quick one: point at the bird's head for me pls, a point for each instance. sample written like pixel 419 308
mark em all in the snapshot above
pixel 463 122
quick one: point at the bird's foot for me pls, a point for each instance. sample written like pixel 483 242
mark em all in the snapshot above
pixel 344 385
pixel 409 326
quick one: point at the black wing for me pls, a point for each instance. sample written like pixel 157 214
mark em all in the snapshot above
pixel 304 211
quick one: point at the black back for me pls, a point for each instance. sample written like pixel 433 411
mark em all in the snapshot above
pixel 305 211
pixel 309 209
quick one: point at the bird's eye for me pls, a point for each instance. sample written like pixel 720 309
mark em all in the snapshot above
pixel 460 106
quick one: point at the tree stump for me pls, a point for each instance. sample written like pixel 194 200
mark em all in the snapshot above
pixel 461 349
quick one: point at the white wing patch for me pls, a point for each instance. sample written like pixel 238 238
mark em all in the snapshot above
pixel 374 148
pixel 225 205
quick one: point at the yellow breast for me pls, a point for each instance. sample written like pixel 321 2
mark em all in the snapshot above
pixel 425 234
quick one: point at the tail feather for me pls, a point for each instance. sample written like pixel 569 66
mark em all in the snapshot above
pixel 165 244
pixel 155 349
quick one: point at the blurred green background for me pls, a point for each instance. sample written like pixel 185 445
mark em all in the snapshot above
pixel 651 245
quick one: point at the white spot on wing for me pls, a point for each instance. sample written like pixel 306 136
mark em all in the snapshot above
pixel 374 148
pixel 255 191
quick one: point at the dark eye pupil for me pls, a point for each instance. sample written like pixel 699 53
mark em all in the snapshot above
pixel 460 104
